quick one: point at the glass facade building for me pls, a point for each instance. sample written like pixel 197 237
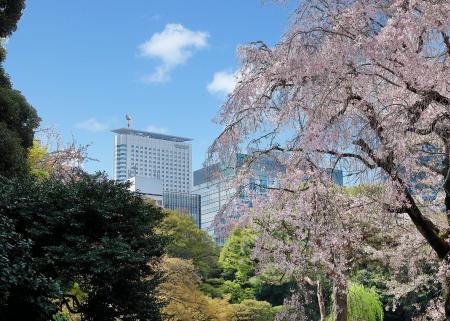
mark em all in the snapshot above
pixel 214 184
pixel 215 190
pixel 184 203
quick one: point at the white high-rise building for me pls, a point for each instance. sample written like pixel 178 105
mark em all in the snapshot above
pixel 163 157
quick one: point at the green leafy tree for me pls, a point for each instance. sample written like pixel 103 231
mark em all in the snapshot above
pixel 11 11
pixel 236 260
pixel 252 310
pixel 188 242
pixel 236 255
pixel 237 292
pixel 185 302
pixel 36 156
pixel 17 123
pixel 18 119
pixel 363 304
pixel 90 232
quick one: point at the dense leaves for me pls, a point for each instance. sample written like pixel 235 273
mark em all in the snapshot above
pixel 236 255
pixel 18 119
pixel 255 311
pixel 188 242
pixel 185 302
pixel 91 232
pixel 10 13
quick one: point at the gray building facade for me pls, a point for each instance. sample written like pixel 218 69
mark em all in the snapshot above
pixel 158 156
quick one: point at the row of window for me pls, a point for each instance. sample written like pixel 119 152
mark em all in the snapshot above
pixel 157 151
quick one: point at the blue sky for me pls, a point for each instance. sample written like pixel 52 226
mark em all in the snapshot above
pixel 85 64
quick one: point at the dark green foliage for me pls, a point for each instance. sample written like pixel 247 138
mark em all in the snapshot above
pixel 212 288
pixel 91 232
pixel 18 119
pixel 237 292
pixel 17 123
pixel 10 13
pixel 274 293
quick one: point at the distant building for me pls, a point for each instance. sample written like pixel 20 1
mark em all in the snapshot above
pixel 213 184
pixel 153 155
pixel 148 187
pixel 183 203
pixel 215 190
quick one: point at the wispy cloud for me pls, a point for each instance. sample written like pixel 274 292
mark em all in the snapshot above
pixel 92 125
pixel 223 83
pixel 173 46
pixel 156 129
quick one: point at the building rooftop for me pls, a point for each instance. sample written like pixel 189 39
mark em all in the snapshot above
pixel 128 131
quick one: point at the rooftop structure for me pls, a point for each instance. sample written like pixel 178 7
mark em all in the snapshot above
pixel 128 131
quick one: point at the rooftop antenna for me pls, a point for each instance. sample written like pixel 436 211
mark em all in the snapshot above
pixel 128 118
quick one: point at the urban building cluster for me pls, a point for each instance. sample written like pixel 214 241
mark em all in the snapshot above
pixel 159 167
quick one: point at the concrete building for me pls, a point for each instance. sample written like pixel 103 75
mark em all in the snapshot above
pixel 157 166
pixel 183 203
pixel 148 187
pixel 163 157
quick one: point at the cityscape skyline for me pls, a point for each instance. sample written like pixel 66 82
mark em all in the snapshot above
pixel 167 64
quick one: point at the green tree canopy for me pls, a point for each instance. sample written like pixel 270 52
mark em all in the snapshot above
pixel 18 119
pixel 91 232
pixel 252 310
pixel 236 255
pixel 189 242
pixel 363 304
pixel 10 13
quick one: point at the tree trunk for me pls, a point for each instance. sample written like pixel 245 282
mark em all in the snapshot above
pixel 447 300
pixel 321 301
pixel 447 208
pixel 340 299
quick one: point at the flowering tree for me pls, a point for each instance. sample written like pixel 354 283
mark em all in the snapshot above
pixel 50 157
pixel 359 85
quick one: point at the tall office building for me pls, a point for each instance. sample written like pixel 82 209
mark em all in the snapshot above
pixel 163 157
pixel 214 185
pixel 216 191
pixel 184 204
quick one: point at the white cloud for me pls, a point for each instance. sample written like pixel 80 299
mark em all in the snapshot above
pixel 156 129
pixel 92 125
pixel 223 83
pixel 173 46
